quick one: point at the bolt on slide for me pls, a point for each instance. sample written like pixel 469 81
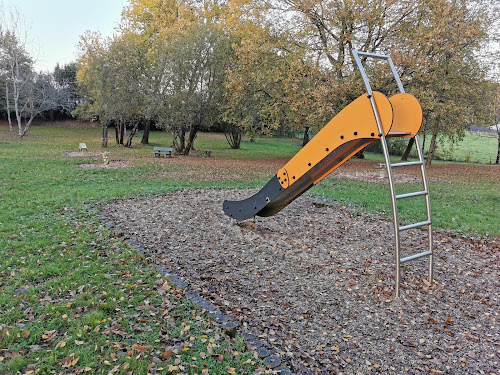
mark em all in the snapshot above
pixel 351 130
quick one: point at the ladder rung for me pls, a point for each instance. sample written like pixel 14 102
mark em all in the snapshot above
pixel 375 55
pixel 407 164
pixel 416 256
pixel 410 195
pixel 416 225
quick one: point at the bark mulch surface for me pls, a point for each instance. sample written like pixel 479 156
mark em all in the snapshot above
pixel 316 283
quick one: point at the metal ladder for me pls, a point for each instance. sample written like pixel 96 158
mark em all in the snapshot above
pixel 389 166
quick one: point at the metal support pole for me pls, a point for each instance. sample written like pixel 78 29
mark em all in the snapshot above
pixel 428 206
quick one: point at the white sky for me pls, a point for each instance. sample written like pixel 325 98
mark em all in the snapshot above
pixel 54 27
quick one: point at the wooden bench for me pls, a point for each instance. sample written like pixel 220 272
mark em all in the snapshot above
pixel 159 151
pixel 82 147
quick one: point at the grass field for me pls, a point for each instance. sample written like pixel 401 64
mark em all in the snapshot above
pixel 474 148
pixel 73 297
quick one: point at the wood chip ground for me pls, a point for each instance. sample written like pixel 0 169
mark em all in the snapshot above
pixel 316 283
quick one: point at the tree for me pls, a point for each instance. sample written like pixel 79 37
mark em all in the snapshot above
pixel 112 74
pixel 436 54
pixel 233 135
pixel 65 80
pixel 28 94
pixel 270 85
pixel 433 43
pixel 496 117
pixel 126 60
pixel 18 74
pixel 192 85
pixel 92 79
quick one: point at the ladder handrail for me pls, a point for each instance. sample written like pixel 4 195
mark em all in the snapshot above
pixel 389 167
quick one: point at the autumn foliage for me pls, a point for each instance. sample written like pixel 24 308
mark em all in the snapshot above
pixel 279 66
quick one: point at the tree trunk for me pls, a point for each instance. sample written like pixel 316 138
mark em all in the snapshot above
pixel 132 134
pixel 104 142
pixel 117 131
pixel 7 102
pixel 306 136
pixel 192 143
pixel 122 132
pixel 22 132
pixel 192 136
pixel 408 149
pixel 498 151
pixel 51 115
pixel 15 75
pixel 432 149
pixel 179 140
pixel 233 135
pixel 145 135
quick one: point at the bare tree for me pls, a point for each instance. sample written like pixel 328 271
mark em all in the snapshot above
pixel 27 93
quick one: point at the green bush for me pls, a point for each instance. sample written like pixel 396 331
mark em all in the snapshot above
pixel 396 146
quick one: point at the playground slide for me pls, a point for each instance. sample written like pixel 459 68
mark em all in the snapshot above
pixel 348 132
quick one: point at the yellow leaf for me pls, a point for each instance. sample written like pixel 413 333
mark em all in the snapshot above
pixel 62 344
pixel 126 366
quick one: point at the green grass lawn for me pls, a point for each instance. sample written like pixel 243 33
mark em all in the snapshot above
pixel 74 297
pixel 474 148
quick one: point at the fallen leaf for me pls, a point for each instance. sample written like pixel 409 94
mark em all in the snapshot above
pixel 141 348
pixel 432 320
pixel 68 362
pixel 49 336
pixel 166 354
pixel 61 344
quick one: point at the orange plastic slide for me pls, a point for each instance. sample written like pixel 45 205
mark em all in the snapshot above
pixel 348 132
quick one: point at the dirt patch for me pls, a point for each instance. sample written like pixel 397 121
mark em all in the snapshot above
pixel 79 154
pixel 316 282
pixel 111 165
pixel 379 177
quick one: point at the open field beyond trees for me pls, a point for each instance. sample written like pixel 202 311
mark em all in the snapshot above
pixel 474 148
pixel 73 298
